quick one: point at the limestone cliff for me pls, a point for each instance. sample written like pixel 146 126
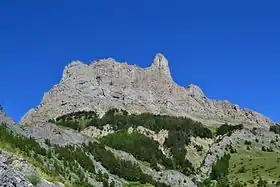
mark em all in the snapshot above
pixel 106 83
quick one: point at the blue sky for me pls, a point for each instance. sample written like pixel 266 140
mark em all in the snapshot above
pixel 229 48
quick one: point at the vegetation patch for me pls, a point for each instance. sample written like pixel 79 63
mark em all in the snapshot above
pixel 140 146
pixel 123 168
pixel 220 171
pixel 228 129
pixel 180 130
pixel 74 163
pixel 254 167
pixel 34 179
pixel 45 159
pixel 120 120
pixel 176 141
pixel 275 129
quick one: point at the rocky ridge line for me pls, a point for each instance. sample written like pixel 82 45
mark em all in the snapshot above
pixel 106 83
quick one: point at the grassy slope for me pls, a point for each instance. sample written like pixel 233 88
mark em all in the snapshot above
pixel 137 184
pixel 255 163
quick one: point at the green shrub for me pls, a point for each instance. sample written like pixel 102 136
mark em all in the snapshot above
pixel 220 170
pixel 270 149
pixel 48 142
pixel 251 182
pixel 228 129
pixel 275 129
pixel 242 170
pixel 81 184
pixel 237 184
pixel 232 150
pixel 261 182
pixel 247 142
pixel 198 147
pixel 34 179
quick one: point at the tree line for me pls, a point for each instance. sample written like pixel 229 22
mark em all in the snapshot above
pixel 73 162
pixel 122 168
pixel 180 130
pixel 120 119
pixel 228 129
pixel 140 146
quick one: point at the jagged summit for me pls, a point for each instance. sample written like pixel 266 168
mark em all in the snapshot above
pixel 107 83
pixel 75 63
pixel 160 63
pixel 160 60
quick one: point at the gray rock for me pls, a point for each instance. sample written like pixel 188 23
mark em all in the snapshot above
pixel 106 83
pixel 16 163
pixel 45 183
pixel 56 135
pixel 10 178
pixel 22 167
pixel 175 178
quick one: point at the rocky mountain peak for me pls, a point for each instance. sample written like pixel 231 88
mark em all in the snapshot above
pixel 74 64
pixel 72 68
pixel 107 84
pixel 109 60
pixel 160 63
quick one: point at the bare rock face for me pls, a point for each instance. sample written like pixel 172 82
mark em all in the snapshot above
pixel 10 178
pixel 56 135
pixel 195 91
pixel 5 119
pixel 106 84
pixel 161 64
pixel 14 171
